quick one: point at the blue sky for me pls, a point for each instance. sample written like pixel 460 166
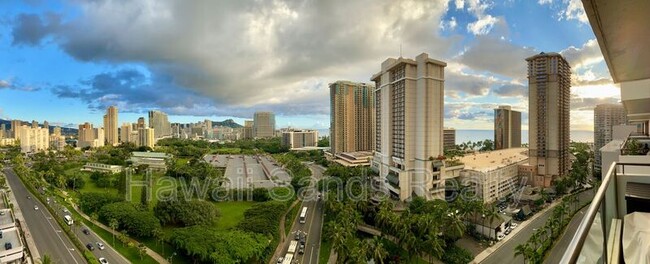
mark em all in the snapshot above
pixel 66 61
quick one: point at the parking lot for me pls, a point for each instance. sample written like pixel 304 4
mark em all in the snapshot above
pixel 250 171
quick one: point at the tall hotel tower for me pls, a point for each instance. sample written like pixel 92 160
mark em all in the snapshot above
pixel 409 135
pixel 549 83
pixel 507 128
pixel 352 123
pixel 110 126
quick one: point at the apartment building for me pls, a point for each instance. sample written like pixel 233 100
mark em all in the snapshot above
pixel 295 139
pixel 263 125
pixel 160 124
pixel 449 138
pixel 507 128
pixel 549 83
pixel 89 136
pixel 32 139
pixel 110 126
pixel 352 118
pixel 248 129
pixel 409 101
pixel 606 116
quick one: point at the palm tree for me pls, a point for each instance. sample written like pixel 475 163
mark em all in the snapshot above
pixel 377 250
pixel 434 246
pixel 522 250
pixel 113 224
pixel 46 259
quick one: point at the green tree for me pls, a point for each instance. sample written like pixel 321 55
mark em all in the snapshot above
pixel 113 224
pixel 46 259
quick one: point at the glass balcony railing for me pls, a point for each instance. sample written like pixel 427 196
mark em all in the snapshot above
pixel 599 236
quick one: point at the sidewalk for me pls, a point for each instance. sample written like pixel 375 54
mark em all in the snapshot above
pixel 157 257
pixel 481 256
pixel 20 221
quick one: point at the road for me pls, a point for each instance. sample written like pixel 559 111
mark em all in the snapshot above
pixel 313 225
pixel 506 253
pixel 48 236
pixel 556 253
pixel 111 255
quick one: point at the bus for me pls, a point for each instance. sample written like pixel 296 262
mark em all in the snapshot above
pixel 292 247
pixel 68 220
pixel 303 215
pixel 287 259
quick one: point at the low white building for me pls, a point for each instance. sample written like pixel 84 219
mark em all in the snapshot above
pixel 102 168
pixel 354 159
pixel 11 246
pixel 155 160
pixel 494 174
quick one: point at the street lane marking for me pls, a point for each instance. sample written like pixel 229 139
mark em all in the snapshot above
pixel 59 236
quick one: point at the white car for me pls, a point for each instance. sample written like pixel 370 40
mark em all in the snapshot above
pixel 513 226
pixel 35 207
pixel 500 237
pixel 103 261
pixel 100 246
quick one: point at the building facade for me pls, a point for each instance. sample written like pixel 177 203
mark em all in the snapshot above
pixel 449 138
pixel 300 138
pixel 352 118
pixel 146 137
pixel 606 116
pixel 160 123
pixel 33 139
pixel 248 129
pixel 549 99
pixel 110 126
pixel 409 127
pixel 263 125
pixel 15 124
pixel 493 175
pixel 507 128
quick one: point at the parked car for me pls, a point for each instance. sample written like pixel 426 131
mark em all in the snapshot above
pixel 500 237
pixel 513 226
pixel 90 246
pixel 103 261
pixel 100 246
pixel 8 246
pixel 301 249
pixel 507 232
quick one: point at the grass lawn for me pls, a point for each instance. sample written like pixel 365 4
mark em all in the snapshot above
pixel 325 248
pixel 231 213
pixel 290 217
pixel 182 161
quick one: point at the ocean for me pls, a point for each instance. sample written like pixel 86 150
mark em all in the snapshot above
pixel 463 135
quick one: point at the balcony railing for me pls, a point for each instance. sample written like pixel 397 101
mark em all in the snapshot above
pixel 608 210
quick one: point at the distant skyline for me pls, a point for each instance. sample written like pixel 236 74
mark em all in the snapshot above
pixel 66 61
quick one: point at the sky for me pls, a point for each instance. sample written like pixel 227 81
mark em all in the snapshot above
pixel 66 61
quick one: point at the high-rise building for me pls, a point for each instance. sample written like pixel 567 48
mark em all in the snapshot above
pixel 126 133
pixel 33 139
pixel 352 117
pixel 605 117
pixel 140 124
pixel 89 136
pixel 549 84
pixel 300 138
pixel 160 123
pixel 34 124
pixel 3 131
pixel 57 131
pixel 110 126
pixel 507 128
pixel 248 129
pixel 449 138
pixel 263 125
pixel 409 123
pixel 46 125
pixel 146 137
pixel 15 125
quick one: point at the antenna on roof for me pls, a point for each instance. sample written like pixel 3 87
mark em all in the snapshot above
pixel 400 50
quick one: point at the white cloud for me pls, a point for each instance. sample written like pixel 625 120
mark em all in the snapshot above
pixel 543 2
pixel 482 26
pixel 460 4
pixel 247 53
pixel 448 25
pixel 575 10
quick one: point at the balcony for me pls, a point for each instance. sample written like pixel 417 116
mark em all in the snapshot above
pixel 614 228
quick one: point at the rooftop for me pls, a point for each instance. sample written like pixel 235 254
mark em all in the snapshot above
pixel 159 155
pixel 488 161
pixel 6 219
